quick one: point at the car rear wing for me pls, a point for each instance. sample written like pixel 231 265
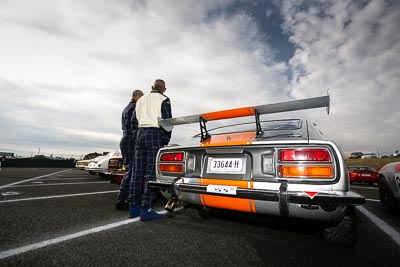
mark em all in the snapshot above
pixel 308 103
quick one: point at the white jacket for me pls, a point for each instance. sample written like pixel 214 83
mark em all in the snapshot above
pixel 148 110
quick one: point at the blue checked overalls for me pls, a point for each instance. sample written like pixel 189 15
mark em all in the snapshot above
pixel 148 141
pixel 127 146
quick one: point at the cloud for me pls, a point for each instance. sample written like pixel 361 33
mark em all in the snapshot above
pixel 352 48
pixel 68 67
pixel 72 66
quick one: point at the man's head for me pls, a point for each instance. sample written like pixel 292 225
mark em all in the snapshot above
pixel 136 95
pixel 159 85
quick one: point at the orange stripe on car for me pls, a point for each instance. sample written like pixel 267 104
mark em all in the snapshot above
pixel 231 203
pixel 231 139
pixel 228 114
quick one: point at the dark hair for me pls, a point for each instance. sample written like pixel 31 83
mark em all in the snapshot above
pixel 137 93
pixel 158 85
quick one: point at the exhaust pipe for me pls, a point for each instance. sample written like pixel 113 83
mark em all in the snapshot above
pixel 172 204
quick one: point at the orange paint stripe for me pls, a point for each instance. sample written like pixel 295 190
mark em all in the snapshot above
pixel 228 114
pixel 201 195
pixel 253 205
pixel 232 139
pixel 238 183
pixel 230 203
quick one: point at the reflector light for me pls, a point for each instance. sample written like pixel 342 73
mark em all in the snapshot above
pixel 172 156
pixel 177 168
pixel 190 164
pixel 307 171
pixel 353 174
pixel 309 154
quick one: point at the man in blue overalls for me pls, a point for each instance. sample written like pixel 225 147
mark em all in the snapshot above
pixel 149 139
pixel 127 146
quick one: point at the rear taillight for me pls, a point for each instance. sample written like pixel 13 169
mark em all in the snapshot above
pixel 310 171
pixel 172 156
pixel 310 154
pixel 176 168
pixel 114 164
pixel 172 162
pixel 305 163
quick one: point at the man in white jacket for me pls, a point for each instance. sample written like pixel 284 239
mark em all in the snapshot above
pixel 150 137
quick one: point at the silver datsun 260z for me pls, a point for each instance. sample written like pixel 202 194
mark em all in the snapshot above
pixel 275 167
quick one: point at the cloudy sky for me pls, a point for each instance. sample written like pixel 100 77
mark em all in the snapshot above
pixel 67 68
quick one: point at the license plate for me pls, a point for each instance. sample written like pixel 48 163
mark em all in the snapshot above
pixel 365 174
pixel 221 189
pixel 226 165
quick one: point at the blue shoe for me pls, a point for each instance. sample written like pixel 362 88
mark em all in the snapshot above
pixel 134 211
pixel 148 214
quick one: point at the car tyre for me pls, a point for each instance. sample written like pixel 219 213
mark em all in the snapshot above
pixel 343 233
pixel 196 212
pixel 387 200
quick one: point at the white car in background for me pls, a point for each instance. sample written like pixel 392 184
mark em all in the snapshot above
pixel 99 165
pixel 369 156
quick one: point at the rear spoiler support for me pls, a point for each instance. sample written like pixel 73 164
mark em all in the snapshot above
pixel 258 125
pixel 203 129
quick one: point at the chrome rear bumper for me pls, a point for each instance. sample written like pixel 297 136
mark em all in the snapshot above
pixel 282 195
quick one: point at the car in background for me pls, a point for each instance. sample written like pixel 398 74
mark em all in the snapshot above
pixel 355 155
pixel 116 169
pixel 395 154
pixel 369 156
pixel 282 167
pixel 99 165
pixel 363 174
pixel 81 164
pixel 389 187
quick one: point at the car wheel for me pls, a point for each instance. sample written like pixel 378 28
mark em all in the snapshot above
pixel 343 233
pixel 196 212
pixel 387 200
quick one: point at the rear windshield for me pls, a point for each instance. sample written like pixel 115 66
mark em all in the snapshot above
pixel 275 125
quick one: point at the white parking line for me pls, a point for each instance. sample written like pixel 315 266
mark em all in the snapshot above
pixel 16 251
pixel 20 182
pixel 38 185
pixel 60 196
pixel 389 230
pixel 63 178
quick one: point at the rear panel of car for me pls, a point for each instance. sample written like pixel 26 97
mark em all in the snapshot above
pixel 291 163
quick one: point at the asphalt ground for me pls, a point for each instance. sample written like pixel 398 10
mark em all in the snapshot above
pixel 57 217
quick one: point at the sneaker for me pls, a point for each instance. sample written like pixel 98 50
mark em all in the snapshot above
pixel 148 214
pixel 134 211
pixel 122 205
